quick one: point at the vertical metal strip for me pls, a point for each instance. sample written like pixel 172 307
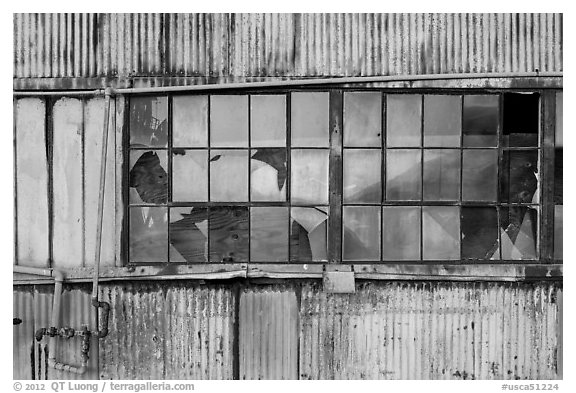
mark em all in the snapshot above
pixel 208 209
pixel 383 144
pixel 500 136
pixel 49 136
pixel 170 172
pixel 460 198
pixel 546 163
pixel 422 109
pixel 249 98
pixel 335 178
pixel 15 174
pixel 288 150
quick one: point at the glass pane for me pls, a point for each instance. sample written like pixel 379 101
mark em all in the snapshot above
pixel 480 121
pixel 229 175
pixel 521 119
pixel 268 175
pixel 520 177
pixel 403 120
pixel 518 232
pixel 268 120
pixel 148 121
pixel 189 234
pixel 559 141
pixel 361 233
pixel 189 175
pixel 362 178
pixel 362 119
pixel 403 175
pixel 310 119
pixel 148 234
pixel 480 233
pixel 479 175
pixel 190 124
pixel 228 234
pixel 442 120
pixel 229 121
pixel 269 234
pixel 401 233
pixel 442 175
pixel 558 175
pixel 148 177
pixel 310 176
pixel 308 234
pixel 441 232
pixel 558 232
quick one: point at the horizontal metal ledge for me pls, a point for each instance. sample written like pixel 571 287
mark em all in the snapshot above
pixel 410 272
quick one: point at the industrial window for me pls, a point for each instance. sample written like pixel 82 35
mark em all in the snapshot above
pixel 270 178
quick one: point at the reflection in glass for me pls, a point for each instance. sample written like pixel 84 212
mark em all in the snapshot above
pixel 148 234
pixel 441 175
pixel 310 176
pixel 401 233
pixel 190 124
pixel 189 175
pixel 519 177
pixel 441 232
pixel 403 120
pixel 361 233
pixel 558 232
pixel 479 175
pixel 148 177
pixel 229 121
pixel 521 119
pixel 229 175
pixel 309 121
pixel 308 234
pixel 268 120
pixel 189 234
pixel 148 121
pixel 228 234
pixel 403 175
pixel 480 121
pixel 362 119
pixel 269 234
pixel 362 176
pixel 518 232
pixel 480 233
pixel 268 175
pixel 442 120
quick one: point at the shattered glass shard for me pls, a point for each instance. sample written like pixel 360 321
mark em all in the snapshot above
pixel 149 122
pixel 148 177
pixel 268 175
pixel 518 231
pixel 189 234
pixel 308 230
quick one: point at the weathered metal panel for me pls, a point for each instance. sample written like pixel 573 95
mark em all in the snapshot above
pixel 233 46
pixel 23 357
pixel 268 320
pixel 168 330
pixel 430 331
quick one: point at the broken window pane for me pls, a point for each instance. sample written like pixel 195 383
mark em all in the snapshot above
pixel 480 233
pixel 189 234
pixel 480 121
pixel 521 119
pixel 269 234
pixel 441 175
pixel 361 233
pixel 518 232
pixel 403 120
pixel 148 234
pixel 309 121
pixel 442 120
pixel 148 177
pixel 479 175
pixel 362 119
pixel 559 140
pixel 520 177
pixel 229 121
pixel 268 175
pixel 229 175
pixel 148 121
pixel 362 178
pixel 308 234
pixel 310 176
pixel 403 175
pixel 189 175
pixel 558 232
pixel 268 120
pixel 401 233
pixel 228 234
pixel 441 232
pixel 190 124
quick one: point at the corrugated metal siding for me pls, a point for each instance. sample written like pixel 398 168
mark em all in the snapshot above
pixel 226 46
pixel 268 320
pixel 23 357
pixel 430 331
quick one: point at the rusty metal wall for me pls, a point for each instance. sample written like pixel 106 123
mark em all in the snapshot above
pixel 228 47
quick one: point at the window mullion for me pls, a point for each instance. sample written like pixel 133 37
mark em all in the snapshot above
pixel 335 174
pixel 547 124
